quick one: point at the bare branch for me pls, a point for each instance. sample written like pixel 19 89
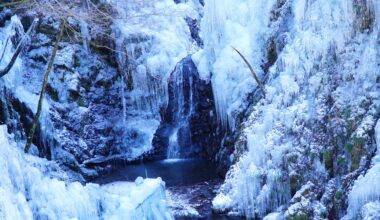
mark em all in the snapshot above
pixel 5 47
pixel 8 4
pixel 252 71
pixel 19 48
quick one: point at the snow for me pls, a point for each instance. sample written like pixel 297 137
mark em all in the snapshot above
pixel 12 79
pixel 181 206
pixel 12 30
pixel 34 188
pixel 297 82
pixel 30 191
pixel 152 37
pixel 371 211
pixel 365 194
pixel 273 216
pixel 242 24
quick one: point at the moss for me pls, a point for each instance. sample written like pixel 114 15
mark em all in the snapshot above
pixel 341 160
pixel 359 142
pixel 298 216
pixel 294 183
pixel 347 113
pixel 328 159
pixel 338 195
pixel 356 152
pixel 349 147
pixel 82 102
pixel 338 199
pixel 292 158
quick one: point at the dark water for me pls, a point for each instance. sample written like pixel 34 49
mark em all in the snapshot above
pixel 195 178
pixel 174 172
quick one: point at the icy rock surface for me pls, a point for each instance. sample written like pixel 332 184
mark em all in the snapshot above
pixel 188 125
pixel 152 37
pixel 30 190
pixel 317 120
pixel 364 198
pixel 226 24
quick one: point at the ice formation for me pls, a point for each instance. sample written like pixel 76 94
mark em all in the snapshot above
pixel 226 24
pixel 30 190
pixel 29 96
pixel 365 194
pixel 34 188
pixel 153 37
pixel 257 183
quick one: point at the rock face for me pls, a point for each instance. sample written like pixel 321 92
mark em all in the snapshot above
pixel 82 98
pixel 189 125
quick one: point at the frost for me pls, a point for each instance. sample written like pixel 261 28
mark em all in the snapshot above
pixel 222 202
pixel 243 25
pixel 29 191
pixel 314 63
pixel 150 44
pixel 371 211
pixel 366 191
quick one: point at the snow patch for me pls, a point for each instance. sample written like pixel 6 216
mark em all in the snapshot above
pixel 29 191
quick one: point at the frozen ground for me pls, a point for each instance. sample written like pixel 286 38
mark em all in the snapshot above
pixel 33 188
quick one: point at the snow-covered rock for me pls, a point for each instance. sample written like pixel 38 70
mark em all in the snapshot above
pixel 29 190
pixel 316 122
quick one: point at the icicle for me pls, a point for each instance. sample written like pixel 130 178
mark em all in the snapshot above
pixel 85 35
pixel 124 106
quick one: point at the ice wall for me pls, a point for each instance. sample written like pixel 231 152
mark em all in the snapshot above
pixel 152 37
pixel 365 194
pixel 30 189
pixel 226 24
pixel 326 52
pixel 10 36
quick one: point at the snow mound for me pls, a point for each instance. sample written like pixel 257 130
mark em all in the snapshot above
pixel 29 191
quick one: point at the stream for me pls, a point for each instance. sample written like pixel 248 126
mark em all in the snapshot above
pixel 191 184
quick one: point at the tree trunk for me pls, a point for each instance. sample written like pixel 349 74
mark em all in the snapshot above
pixel 46 77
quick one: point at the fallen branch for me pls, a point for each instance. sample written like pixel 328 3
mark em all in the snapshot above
pixel 46 77
pixel 252 71
pixel 12 3
pixel 19 48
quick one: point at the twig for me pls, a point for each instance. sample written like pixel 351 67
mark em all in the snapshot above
pixel 19 48
pixel 252 71
pixel 5 47
pixel 12 3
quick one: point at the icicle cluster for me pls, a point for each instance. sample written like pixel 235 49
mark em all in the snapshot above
pixel 321 41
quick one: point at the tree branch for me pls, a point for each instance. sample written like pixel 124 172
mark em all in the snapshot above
pixel 19 48
pixel 252 71
pixel 12 3
pixel 5 47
